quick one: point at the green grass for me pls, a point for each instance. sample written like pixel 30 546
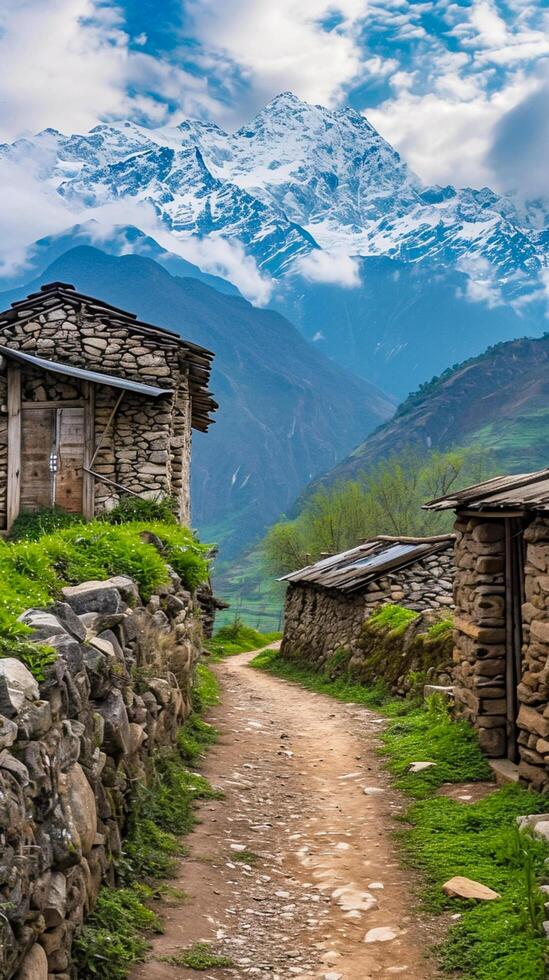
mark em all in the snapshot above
pixel 236 637
pixel 33 572
pixel 244 857
pixel 499 940
pixel 429 735
pixel 493 940
pixel 341 688
pixel 393 618
pixel 104 952
pixel 201 956
pixel 115 936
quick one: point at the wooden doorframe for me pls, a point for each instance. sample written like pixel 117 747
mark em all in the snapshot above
pixel 13 492
pixel 88 484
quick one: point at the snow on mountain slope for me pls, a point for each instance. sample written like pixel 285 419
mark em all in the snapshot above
pixel 297 177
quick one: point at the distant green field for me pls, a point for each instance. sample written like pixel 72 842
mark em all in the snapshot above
pixel 520 444
pixel 254 595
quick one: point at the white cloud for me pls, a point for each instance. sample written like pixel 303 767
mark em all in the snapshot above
pixel 446 135
pixel 63 64
pixel 330 267
pixel 286 44
pixel 222 258
pixel 68 64
pixel 481 285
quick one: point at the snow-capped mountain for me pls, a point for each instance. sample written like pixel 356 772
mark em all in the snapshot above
pixel 342 237
pixel 298 177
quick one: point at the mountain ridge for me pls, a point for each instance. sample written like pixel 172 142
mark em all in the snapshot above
pixel 498 402
pixel 286 412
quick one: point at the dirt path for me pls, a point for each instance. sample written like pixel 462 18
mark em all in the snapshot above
pixel 304 793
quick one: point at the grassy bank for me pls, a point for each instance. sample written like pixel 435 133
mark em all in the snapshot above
pixel 116 935
pixel 442 837
pixel 33 571
pixel 237 637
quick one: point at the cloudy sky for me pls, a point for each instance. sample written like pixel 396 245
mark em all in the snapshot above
pixel 461 88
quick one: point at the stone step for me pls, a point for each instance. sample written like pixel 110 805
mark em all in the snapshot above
pixel 504 770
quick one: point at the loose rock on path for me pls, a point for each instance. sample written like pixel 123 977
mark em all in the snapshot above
pixel 294 874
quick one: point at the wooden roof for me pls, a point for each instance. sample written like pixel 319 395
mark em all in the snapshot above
pixel 522 491
pixel 198 359
pixel 352 571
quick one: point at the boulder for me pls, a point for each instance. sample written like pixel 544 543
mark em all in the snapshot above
pixel 69 620
pixel 43 624
pixel 55 908
pixel 80 801
pixel 35 965
pixel 94 597
pixel 117 727
pixel 460 887
pixel 17 686
pixel 8 732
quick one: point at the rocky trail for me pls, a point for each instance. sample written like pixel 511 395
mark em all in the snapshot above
pixel 294 874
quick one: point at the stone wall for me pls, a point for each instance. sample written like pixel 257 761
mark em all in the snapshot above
pixel 72 750
pixel 318 622
pixel 533 690
pixel 147 449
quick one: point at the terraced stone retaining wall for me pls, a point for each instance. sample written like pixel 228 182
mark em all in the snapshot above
pixel 72 750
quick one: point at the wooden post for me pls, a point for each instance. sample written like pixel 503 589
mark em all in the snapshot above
pixel 14 443
pixel 88 486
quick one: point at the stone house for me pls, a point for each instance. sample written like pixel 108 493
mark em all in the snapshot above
pixel 327 602
pixel 501 644
pixel 94 404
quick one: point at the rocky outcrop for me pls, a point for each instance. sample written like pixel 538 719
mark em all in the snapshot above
pixel 72 749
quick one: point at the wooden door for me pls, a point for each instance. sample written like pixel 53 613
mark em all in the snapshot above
pixel 37 435
pixel 52 455
pixel 70 459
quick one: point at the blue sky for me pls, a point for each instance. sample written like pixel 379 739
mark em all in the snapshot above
pixel 458 87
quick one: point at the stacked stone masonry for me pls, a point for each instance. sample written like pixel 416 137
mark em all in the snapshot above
pixel 479 651
pixel 72 750
pixel 533 690
pixel 147 447
pixel 318 622
pixel 480 642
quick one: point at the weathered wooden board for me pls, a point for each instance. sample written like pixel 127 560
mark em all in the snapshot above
pixel 70 459
pixel 37 434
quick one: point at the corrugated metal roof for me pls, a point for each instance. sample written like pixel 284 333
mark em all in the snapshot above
pixel 521 491
pixel 75 372
pixel 353 570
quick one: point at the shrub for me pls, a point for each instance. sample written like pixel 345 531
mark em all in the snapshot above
pixel 140 509
pixel 31 525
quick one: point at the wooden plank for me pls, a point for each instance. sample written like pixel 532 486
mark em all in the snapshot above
pixel 69 403
pixel 14 442
pixel 88 486
pixel 70 473
pixel 37 438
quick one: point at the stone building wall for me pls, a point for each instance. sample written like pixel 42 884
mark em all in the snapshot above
pixel 318 622
pixel 479 650
pixel 71 750
pixel 533 690
pixel 148 447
